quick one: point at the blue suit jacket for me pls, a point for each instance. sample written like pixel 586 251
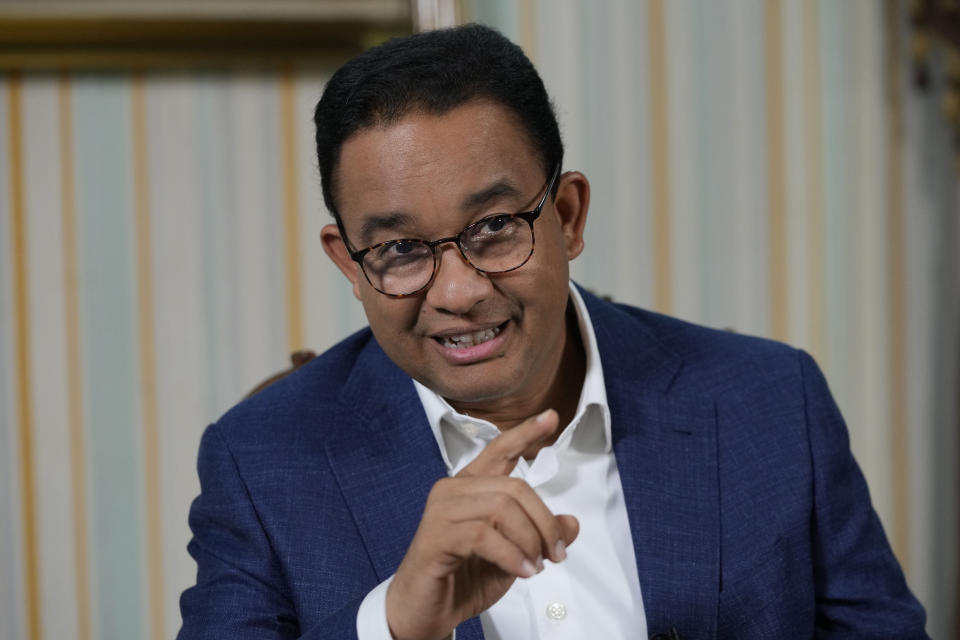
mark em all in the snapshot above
pixel 749 516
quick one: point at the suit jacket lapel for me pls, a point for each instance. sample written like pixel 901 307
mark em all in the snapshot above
pixel 666 449
pixel 666 454
pixel 386 460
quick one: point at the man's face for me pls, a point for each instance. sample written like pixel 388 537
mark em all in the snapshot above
pixel 427 177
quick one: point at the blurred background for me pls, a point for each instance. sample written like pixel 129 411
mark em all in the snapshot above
pixel 776 167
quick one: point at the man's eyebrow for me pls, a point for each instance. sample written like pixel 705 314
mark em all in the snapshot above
pixel 384 222
pixel 397 219
pixel 499 189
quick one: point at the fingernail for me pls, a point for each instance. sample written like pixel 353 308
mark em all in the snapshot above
pixel 539 564
pixel 560 551
pixel 543 416
pixel 527 569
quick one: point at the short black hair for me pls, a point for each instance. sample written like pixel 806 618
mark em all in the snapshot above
pixel 434 72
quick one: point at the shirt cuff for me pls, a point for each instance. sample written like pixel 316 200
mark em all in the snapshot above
pixel 372 615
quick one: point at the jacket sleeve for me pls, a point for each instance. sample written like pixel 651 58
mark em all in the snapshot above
pixel 241 592
pixel 860 588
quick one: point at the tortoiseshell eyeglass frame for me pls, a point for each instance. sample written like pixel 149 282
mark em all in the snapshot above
pixel 528 216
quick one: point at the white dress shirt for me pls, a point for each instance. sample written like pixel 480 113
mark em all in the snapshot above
pixel 595 592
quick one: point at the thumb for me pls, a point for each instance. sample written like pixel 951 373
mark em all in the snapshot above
pixel 570 526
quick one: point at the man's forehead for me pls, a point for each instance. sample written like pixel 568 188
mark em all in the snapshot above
pixel 481 126
pixel 466 158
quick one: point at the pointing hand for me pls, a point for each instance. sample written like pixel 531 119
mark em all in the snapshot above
pixel 480 531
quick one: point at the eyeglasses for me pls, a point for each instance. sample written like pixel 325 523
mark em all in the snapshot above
pixel 495 244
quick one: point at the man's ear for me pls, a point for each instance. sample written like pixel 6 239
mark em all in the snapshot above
pixel 571 204
pixel 334 246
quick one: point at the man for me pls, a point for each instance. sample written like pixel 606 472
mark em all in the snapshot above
pixel 501 454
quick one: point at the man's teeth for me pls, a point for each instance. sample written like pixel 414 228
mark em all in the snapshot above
pixel 469 339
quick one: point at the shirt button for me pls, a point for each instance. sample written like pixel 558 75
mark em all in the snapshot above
pixel 471 430
pixel 556 611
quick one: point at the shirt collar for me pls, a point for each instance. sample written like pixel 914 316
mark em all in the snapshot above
pixel 453 430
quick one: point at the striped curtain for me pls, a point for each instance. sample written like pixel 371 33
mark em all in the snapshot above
pixel 762 166
pixel 159 256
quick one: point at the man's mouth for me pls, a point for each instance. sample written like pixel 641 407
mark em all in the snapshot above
pixel 466 340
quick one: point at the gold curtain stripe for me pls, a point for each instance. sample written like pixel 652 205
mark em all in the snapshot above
pixel 777 238
pixel 21 302
pixel 291 212
pixel 896 276
pixel 813 126
pixel 527 27
pixel 660 157
pixel 148 357
pixel 74 369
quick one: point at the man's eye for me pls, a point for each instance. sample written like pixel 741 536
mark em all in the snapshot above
pixel 494 225
pixel 403 249
pixel 394 248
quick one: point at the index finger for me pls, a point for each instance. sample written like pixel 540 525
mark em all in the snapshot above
pixel 501 455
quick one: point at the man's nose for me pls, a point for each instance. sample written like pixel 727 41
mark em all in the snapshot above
pixel 457 287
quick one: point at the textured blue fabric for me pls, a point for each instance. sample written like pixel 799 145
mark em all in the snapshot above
pixel 749 516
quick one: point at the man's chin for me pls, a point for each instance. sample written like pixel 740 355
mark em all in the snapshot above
pixel 474 395
pixel 470 391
